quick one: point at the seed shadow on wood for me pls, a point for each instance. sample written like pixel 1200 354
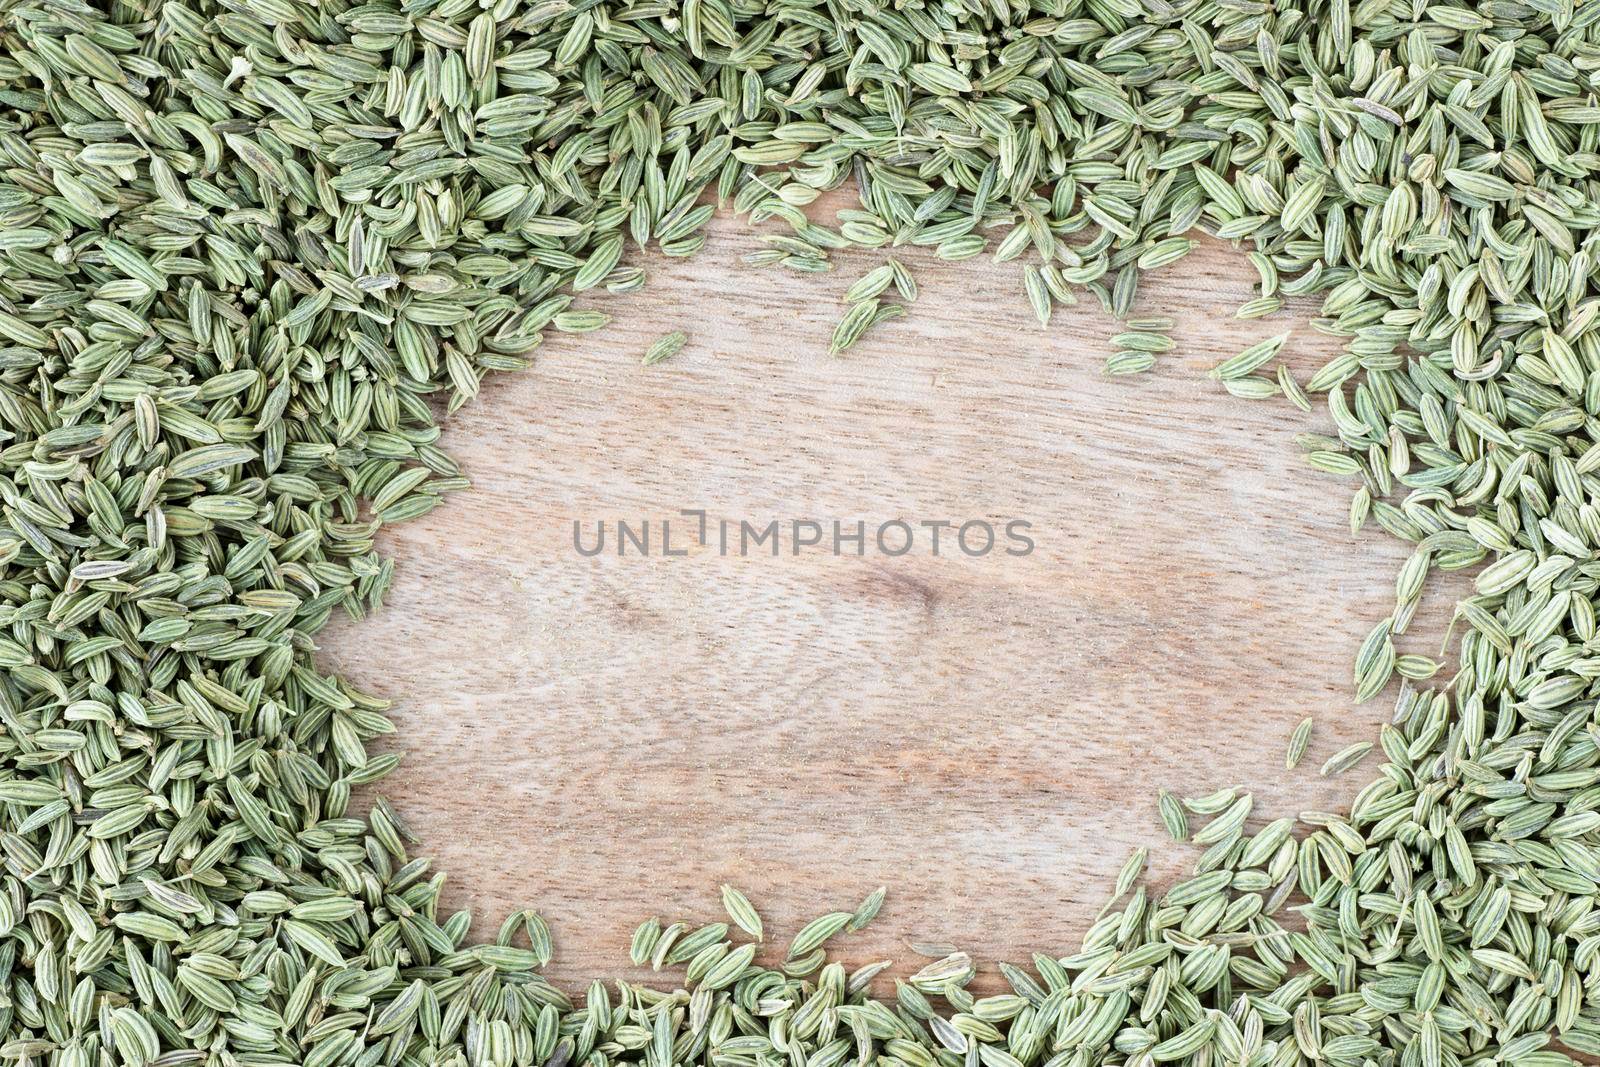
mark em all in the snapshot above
pixel 983 735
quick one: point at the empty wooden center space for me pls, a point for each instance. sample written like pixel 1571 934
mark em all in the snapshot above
pixel 600 736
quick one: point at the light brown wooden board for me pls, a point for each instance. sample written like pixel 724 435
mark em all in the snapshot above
pixel 604 739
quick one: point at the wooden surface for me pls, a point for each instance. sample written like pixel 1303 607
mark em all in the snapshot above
pixel 605 738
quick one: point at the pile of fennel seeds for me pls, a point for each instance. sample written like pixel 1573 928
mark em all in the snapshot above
pixel 245 247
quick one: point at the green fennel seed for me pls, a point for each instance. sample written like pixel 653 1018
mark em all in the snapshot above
pixel 665 347
pixel 1298 742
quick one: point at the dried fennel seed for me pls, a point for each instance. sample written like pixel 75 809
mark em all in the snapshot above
pixel 1298 742
pixel 664 347
pixel 1173 817
pixel 1260 307
pixel 1129 361
pixel 1346 758
pixel 245 247
pixel 741 911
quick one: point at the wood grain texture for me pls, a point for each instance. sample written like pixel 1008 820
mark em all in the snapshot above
pixel 604 738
